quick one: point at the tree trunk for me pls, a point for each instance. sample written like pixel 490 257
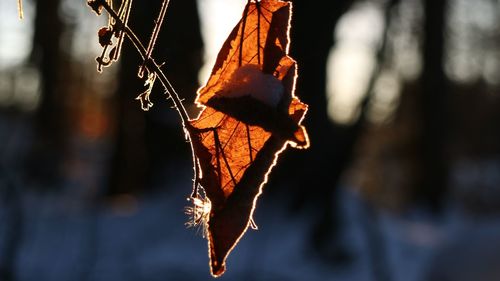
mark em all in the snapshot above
pixel 318 169
pixel 432 181
pixel 45 159
pixel 12 226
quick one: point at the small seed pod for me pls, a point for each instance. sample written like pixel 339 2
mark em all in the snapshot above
pixel 105 34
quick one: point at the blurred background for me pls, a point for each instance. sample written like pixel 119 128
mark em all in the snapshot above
pixel 402 180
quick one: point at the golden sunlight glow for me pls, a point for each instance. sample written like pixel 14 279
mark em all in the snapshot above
pixel 218 17
pixel 386 97
pixel 351 62
pixel 199 213
pixel 15 35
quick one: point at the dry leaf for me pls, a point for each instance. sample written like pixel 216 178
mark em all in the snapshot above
pixel 250 114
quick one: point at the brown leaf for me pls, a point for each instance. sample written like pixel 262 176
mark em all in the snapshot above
pixel 250 114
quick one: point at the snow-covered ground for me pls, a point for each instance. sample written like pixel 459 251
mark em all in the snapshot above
pixel 65 237
pixel 146 239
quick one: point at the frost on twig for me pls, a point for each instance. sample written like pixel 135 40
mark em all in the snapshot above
pixel 199 212
pixel 144 97
pixel 118 24
pixel 111 37
pixel 154 36
pixel 146 103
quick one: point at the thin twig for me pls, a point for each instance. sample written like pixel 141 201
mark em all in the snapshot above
pixel 20 9
pixel 154 36
pixel 189 130
pixel 125 9
pixel 151 64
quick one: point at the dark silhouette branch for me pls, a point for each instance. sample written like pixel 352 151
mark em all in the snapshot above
pixel 154 36
pixel 151 65
pixel 431 185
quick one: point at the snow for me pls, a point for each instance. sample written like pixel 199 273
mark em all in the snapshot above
pixel 67 237
pixel 249 80
pixel 152 243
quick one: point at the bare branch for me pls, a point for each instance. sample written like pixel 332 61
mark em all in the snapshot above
pixel 151 65
pixel 154 36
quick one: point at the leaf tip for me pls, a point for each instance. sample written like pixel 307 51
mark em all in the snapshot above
pixel 217 265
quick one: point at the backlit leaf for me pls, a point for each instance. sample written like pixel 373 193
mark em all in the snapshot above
pixel 250 114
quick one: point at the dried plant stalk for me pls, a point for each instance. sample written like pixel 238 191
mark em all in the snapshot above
pixel 20 9
pixel 154 36
pixel 151 65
